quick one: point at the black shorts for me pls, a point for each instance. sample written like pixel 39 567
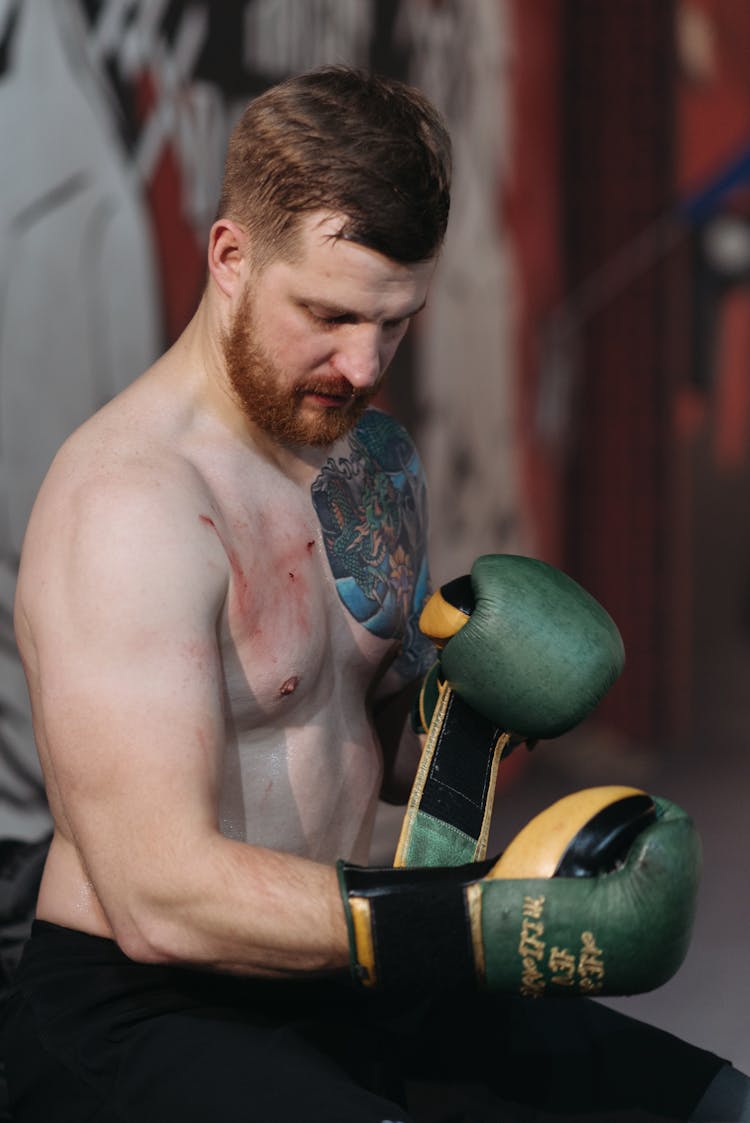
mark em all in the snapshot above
pixel 92 1037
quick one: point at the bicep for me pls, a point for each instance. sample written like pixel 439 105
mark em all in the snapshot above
pixel 396 691
pixel 129 682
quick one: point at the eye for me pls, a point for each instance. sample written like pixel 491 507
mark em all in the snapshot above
pixel 329 319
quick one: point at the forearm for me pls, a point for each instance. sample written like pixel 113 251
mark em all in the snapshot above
pixel 401 746
pixel 241 909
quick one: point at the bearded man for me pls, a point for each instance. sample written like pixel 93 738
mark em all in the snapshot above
pixel 217 614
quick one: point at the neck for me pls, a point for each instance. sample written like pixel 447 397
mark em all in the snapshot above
pixel 199 348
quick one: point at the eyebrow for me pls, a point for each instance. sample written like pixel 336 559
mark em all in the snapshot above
pixel 336 310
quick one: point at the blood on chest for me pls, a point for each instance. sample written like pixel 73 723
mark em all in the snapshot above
pixel 285 635
pixel 266 580
pixel 276 632
pixel 272 602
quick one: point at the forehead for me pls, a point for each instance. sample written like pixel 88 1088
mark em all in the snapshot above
pixel 331 268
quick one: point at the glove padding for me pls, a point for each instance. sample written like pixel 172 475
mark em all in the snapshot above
pixel 621 931
pixel 523 644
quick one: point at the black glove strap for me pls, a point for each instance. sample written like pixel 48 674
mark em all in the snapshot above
pixel 460 774
pixel 421 938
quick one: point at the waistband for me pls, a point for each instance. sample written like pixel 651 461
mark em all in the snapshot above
pixel 53 950
pixel 57 939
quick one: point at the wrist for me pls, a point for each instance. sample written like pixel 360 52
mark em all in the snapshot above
pixel 409 928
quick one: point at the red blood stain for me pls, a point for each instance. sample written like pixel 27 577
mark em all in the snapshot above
pixel 242 585
pixel 241 582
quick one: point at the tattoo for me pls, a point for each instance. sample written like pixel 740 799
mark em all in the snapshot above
pixel 372 507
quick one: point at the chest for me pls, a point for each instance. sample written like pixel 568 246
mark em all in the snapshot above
pixel 325 575
pixel 290 644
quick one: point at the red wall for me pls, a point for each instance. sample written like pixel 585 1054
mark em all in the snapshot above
pixel 532 210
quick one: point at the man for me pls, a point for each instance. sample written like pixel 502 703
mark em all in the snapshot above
pixel 217 616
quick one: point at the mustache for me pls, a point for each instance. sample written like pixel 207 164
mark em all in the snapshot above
pixel 334 388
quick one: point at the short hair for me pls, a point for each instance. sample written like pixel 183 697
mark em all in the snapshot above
pixel 345 141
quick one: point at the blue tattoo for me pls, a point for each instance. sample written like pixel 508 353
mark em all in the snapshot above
pixel 372 507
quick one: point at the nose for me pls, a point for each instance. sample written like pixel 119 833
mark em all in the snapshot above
pixel 358 356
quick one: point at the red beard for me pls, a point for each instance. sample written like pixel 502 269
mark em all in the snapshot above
pixel 283 413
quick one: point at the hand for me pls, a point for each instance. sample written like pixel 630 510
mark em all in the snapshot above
pixel 523 644
pixel 619 925
pixel 525 653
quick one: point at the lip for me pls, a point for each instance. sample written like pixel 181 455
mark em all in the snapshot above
pixel 329 401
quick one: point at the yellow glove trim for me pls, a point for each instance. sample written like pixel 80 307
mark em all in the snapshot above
pixel 362 924
pixel 503 742
pixel 440 619
pixel 442 685
pixel 538 848
pixel 423 769
pixel 473 898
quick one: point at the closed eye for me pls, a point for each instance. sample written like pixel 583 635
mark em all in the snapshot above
pixel 343 318
pixel 330 319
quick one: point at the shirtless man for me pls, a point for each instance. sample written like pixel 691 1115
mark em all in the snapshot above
pixel 216 613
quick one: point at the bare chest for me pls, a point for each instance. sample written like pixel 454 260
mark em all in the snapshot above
pixel 325 577
pixel 287 641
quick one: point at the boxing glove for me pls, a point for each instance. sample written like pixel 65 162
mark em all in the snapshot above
pixel 596 897
pixel 524 653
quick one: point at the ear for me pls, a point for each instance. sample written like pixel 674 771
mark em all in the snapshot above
pixel 227 248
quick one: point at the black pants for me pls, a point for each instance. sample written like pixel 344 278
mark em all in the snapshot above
pixel 92 1037
pixel 21 865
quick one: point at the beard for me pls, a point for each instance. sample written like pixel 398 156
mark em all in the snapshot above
pixel 284 413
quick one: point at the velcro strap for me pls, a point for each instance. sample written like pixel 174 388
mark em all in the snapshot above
pixel 447 819
pixel 418 928
pixel 459 779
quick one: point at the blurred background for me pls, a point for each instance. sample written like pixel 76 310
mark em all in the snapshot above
pixel 578 387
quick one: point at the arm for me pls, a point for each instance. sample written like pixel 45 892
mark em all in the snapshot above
pixel 402 747
pixel 125 638
pixel 396 691
pixel 394 697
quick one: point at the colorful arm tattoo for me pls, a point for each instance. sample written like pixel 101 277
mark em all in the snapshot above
pixel 372 507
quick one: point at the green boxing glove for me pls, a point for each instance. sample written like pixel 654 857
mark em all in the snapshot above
pixel 525 653
pixel 596 896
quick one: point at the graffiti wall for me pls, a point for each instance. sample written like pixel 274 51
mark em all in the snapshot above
pixel 114 116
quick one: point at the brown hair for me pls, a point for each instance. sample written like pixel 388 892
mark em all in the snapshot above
pixel 336 139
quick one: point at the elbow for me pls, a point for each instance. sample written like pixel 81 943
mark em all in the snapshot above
pixel 140 945
pixel 160 917
pixel 145 937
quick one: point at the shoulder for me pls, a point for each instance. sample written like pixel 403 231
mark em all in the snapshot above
pixel 378 445
pixel 385 441
pixel 112 513
pixel 376 470
pixel 105 472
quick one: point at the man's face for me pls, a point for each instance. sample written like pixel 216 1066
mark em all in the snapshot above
pixel 311 339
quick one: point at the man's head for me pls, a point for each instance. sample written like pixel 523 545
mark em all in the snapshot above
pixel 333 211
pixel 337 140
pixel 310 340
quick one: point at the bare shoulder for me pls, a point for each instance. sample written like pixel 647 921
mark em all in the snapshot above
pixel 118 501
